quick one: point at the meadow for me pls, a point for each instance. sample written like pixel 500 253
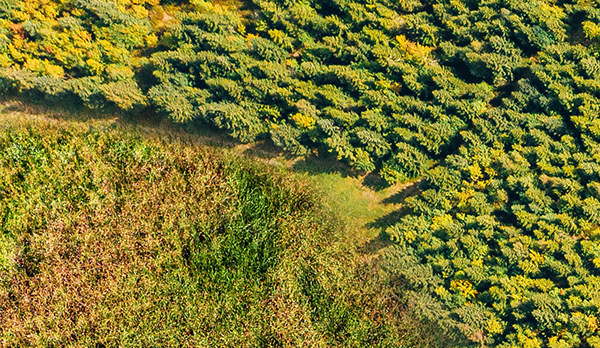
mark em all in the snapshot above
pixel 113 235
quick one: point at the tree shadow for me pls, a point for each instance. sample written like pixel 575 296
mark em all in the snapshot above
pixel 323 162
pixel 67 111
pixel 374 245
pixel 412 189
pixel 263 149
pixel 389 219
pixel 197 132
pixel 393 217
pixel 375 181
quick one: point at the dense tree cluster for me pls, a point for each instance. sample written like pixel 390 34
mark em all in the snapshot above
pixel 492 104
pixel 340 76
pixel 81 49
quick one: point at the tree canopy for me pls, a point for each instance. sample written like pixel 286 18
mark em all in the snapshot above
pixel 491 105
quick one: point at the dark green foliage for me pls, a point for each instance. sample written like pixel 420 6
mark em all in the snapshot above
pixel 309 68
pixel 492 105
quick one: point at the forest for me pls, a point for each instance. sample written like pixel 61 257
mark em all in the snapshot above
pixel 489 108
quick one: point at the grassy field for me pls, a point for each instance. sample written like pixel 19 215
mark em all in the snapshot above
pixel 136 233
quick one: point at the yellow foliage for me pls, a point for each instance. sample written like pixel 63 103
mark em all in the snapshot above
pixel 95 66
pixel 536 257
pixel 279 37
pixel 490 172
pixel 442 292
pixel 4 60
pixel 463 287
pixel 292 63
pixel 477 263
pixel 442 221
pixel 475 171
pixel 551 11
pixel 77 12
pixel 592 323
pixel 44 67
pixel 412 49
pixel 591 30
pixel 384 84
pixel 56 50
pixel 409 236
pixel 151 40
pixel 494 327
pixel 529 342
pixel 593 341
pixel 464 196
pixel 303 121
pixel 249 38
pixel 241 29
pixel 569 170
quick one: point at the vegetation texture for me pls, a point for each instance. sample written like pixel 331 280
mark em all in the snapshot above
pixel 111 238
pixel 492 105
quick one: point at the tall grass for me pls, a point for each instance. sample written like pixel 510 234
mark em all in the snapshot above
pixel 111 238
